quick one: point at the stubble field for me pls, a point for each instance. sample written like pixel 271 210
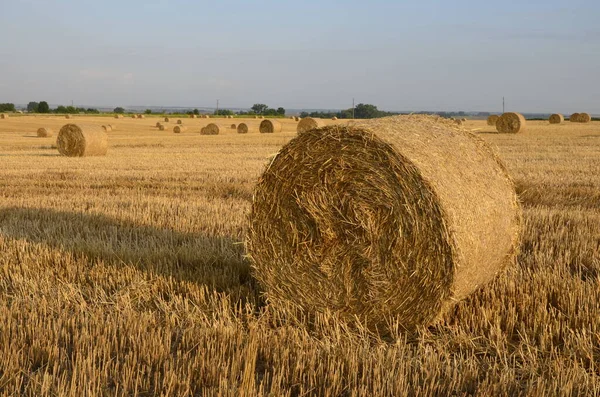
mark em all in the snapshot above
pixel 125 275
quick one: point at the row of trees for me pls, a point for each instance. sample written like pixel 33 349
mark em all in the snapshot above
pixel 360 111
pixel 7 107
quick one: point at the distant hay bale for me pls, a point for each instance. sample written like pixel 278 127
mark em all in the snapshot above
pixel 118 116
pixel 80 140
pixel 112 126
pixel 261 117
pixel 556 118
pixel 463 120
pixel 179 122
pixel 133 116
pixel 166 119
pixel 43 132
pixel 292 117
pixel 107 128
pixel 493 119
pixel 206 116
pixel 3 116
pixel 161 127
pixel 233 126
pixel 67 116
pixel 179 129
pixel 584 118
pixel 269 126
pixel 141 116
pixel 242 128
pixel 309 123
pixel 192 116
pixel 389 220
pixel 211 129
pixel 158 124
pixel 457 121
pixel 574 118
pixel 297 118
pixel 255 117
pixel 511 123
pixel 334 118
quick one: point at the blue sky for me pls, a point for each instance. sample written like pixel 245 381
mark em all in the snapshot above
pixel 400 55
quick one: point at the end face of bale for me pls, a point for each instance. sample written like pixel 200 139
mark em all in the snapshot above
pixel 309 123
pixel 141 116
pixel 584 118
pixel 211 129
pixel 179 122
pixel 161 127
pixel 511 123
pixel 80 140
pixel 44 132
pixel 242 128
pixel 492 120
pixel 179 129
pixel 574 118
pixel 166 119
pixel 233 126
pixel 270 126
pixel 556 118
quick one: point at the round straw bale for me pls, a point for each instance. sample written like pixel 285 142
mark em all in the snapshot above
pixel 491 120
pixel 242 128
pixel 297 118
pixel 291 117
pixel 161 127
pixel 118 116
pixel 44 132
pixel 389 219
pixel 574 118
pixel 511 123
pixel 141 116
pixel 179 122
pixel 309 123
pixel 255 117
pixel 584 118
pixel 211 129
pixel 334 118
pixel 3 116
pixel 158 124
pixel 81 140
pixel 112 126
pixel 133 116
pixel 269 126
pixel 192 116
pixel 458 121
pixel 463 120
pixel 107 128
pixel 233 126
pixel 556 118
pixel 67 116
pixel 179 128
pixel 166 119
pixel 261 117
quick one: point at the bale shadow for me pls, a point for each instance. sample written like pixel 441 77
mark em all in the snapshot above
pixel 215 261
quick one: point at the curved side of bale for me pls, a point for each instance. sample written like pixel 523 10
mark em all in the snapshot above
pixel 556 118
pixel 81 140
pixel 158 124
pixel 211 129
pixel 233 126
pixel 68 116
pixel 107 128
pixel 309 123
pixel 179 128
pixel 3 116
pixel 269 126
pixel 584 118
pixel 166 119
pixel 179 122
pixel 161 127
pixel 574 118
pixel 491 120
pixel 242 128
pixel 43 132
pixel 511 123
pixel 141 116
pixel 389 219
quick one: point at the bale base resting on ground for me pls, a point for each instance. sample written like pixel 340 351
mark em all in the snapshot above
pixel 179 128
pixel 270 126
pixel 511 123
pixel 242 128
pixel 80 140
pixel 309 123
pixel 44 132
pixel 211 129
pixel 491 120
pixel 556 118
pixel 387 220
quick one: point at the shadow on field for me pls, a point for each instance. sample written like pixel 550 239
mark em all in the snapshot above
pixel 214 261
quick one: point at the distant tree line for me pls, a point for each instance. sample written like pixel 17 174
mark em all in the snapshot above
pixel 7 107
pixel 361 111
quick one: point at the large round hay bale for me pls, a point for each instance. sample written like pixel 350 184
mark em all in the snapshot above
pixel 511 123
pixel 309 123
pixel 179 122
pixel 118 116
pixel 192 116
pixel 242 128
pixel 107 128
pixel 166 119
pixel 574 118
pixel 43 132
pixel 389 219
pixel 584 118
pixel 211 129
pixel 81 140
pixel 556 118
pixel 269 126
pixel 179 128
pixel 3 116
pixel 491 120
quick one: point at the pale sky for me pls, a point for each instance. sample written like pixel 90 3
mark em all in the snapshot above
pixel 544 56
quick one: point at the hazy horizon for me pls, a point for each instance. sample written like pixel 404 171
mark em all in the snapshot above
pixel 542 56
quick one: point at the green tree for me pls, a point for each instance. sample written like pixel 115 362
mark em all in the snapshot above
pixel 148 111
pixel 196 112
pixel 32 107
pixel 281 111
pixel 119 110
pixel 366 111
pixel 259 108
pixel 7 107
pixel 61 109
pixel 43 107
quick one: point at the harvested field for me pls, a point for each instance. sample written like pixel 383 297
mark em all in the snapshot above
pixel 127 274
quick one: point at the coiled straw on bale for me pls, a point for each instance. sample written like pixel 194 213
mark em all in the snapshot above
pixel 491 120
pixel 556 118
pixel 584 118
pixel 269 126
pixel 179 128
pixel 242 128
pixel 511 123
pixel 309 123
pixel 44 132
pixel 79 140
pixel 574 118
pixel 211 129
pixel 388 219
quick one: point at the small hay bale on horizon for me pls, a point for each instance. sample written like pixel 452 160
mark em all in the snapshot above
pixel 511 123
pixel 334 118
pixel 133 116
pixel 82 140
pixel 179 128
pixel 574 118
pixel 67 116
pixel 297 118
pixel 166 119
pixel 584 118
pixel 118 116
pixel 270 126
pixel 309 123
pixel 161 127
pixel 179 121
pixel 3 116
pixel 492 119
pixel 242 128
pixel 556 118
pixel 141 116
pixel 211 129
pixel 43 132
pixel 402 229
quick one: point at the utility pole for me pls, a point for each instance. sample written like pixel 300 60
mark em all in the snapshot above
pixel 217 107
pixel 502 105
pixel 352 108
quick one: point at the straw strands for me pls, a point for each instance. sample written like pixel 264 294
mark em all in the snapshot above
pixel 392 219
pixel 511 123
pixel 270 126
pixel 80 140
